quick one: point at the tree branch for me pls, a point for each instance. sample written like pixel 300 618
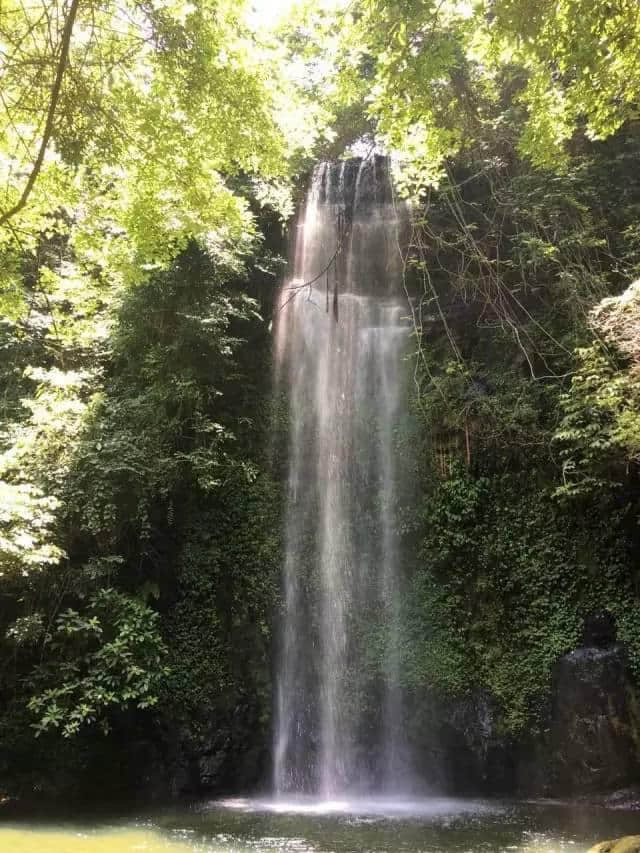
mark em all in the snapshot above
pixel 53 103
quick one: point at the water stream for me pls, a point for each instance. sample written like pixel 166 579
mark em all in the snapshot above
pixel 341 335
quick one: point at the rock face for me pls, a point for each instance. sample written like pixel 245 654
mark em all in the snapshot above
pixel 457 747
pixel 629 844
pixel 594 737
pixel 590 734
pixel 479 758
pixel 599 630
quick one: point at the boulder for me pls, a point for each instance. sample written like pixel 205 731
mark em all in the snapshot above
pixel 594 737
pixel 629 844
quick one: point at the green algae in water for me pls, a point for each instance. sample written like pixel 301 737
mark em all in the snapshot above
pixel 16 840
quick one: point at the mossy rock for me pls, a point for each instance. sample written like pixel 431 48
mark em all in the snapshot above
pixel 628 844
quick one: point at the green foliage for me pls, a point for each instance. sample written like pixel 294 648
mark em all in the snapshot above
pixel 504 579
pixel 106 658
pixel 409 65
pixel 580 59
pixel 600 428
pixel 519 409
pixel 137 524
pixel 442 78
pixel 155 433
pixel 227 580
pixel 134 175
pixel 157 108
pixel 106 469
pixel 26 521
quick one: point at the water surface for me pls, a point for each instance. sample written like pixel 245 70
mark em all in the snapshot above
pixel 337 826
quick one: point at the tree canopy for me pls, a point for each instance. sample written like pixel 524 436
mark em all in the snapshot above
pixel 152 154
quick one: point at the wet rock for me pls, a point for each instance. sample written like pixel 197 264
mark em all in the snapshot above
pixel 594 734
pixel 629 844
pixel 627 799
pixel 482 757
pixel 457 745
pixel 624 799
pixel 586 742
pixel 599 630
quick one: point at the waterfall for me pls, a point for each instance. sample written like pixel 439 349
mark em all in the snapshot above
pixel 341 337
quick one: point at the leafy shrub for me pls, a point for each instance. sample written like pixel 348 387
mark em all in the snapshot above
pixel 109 657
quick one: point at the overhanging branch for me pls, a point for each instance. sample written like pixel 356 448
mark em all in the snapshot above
pixel 51 113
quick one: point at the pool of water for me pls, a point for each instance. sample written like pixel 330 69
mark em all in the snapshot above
pixel 337 826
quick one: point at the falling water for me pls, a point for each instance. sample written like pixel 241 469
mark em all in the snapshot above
pixel 341 337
